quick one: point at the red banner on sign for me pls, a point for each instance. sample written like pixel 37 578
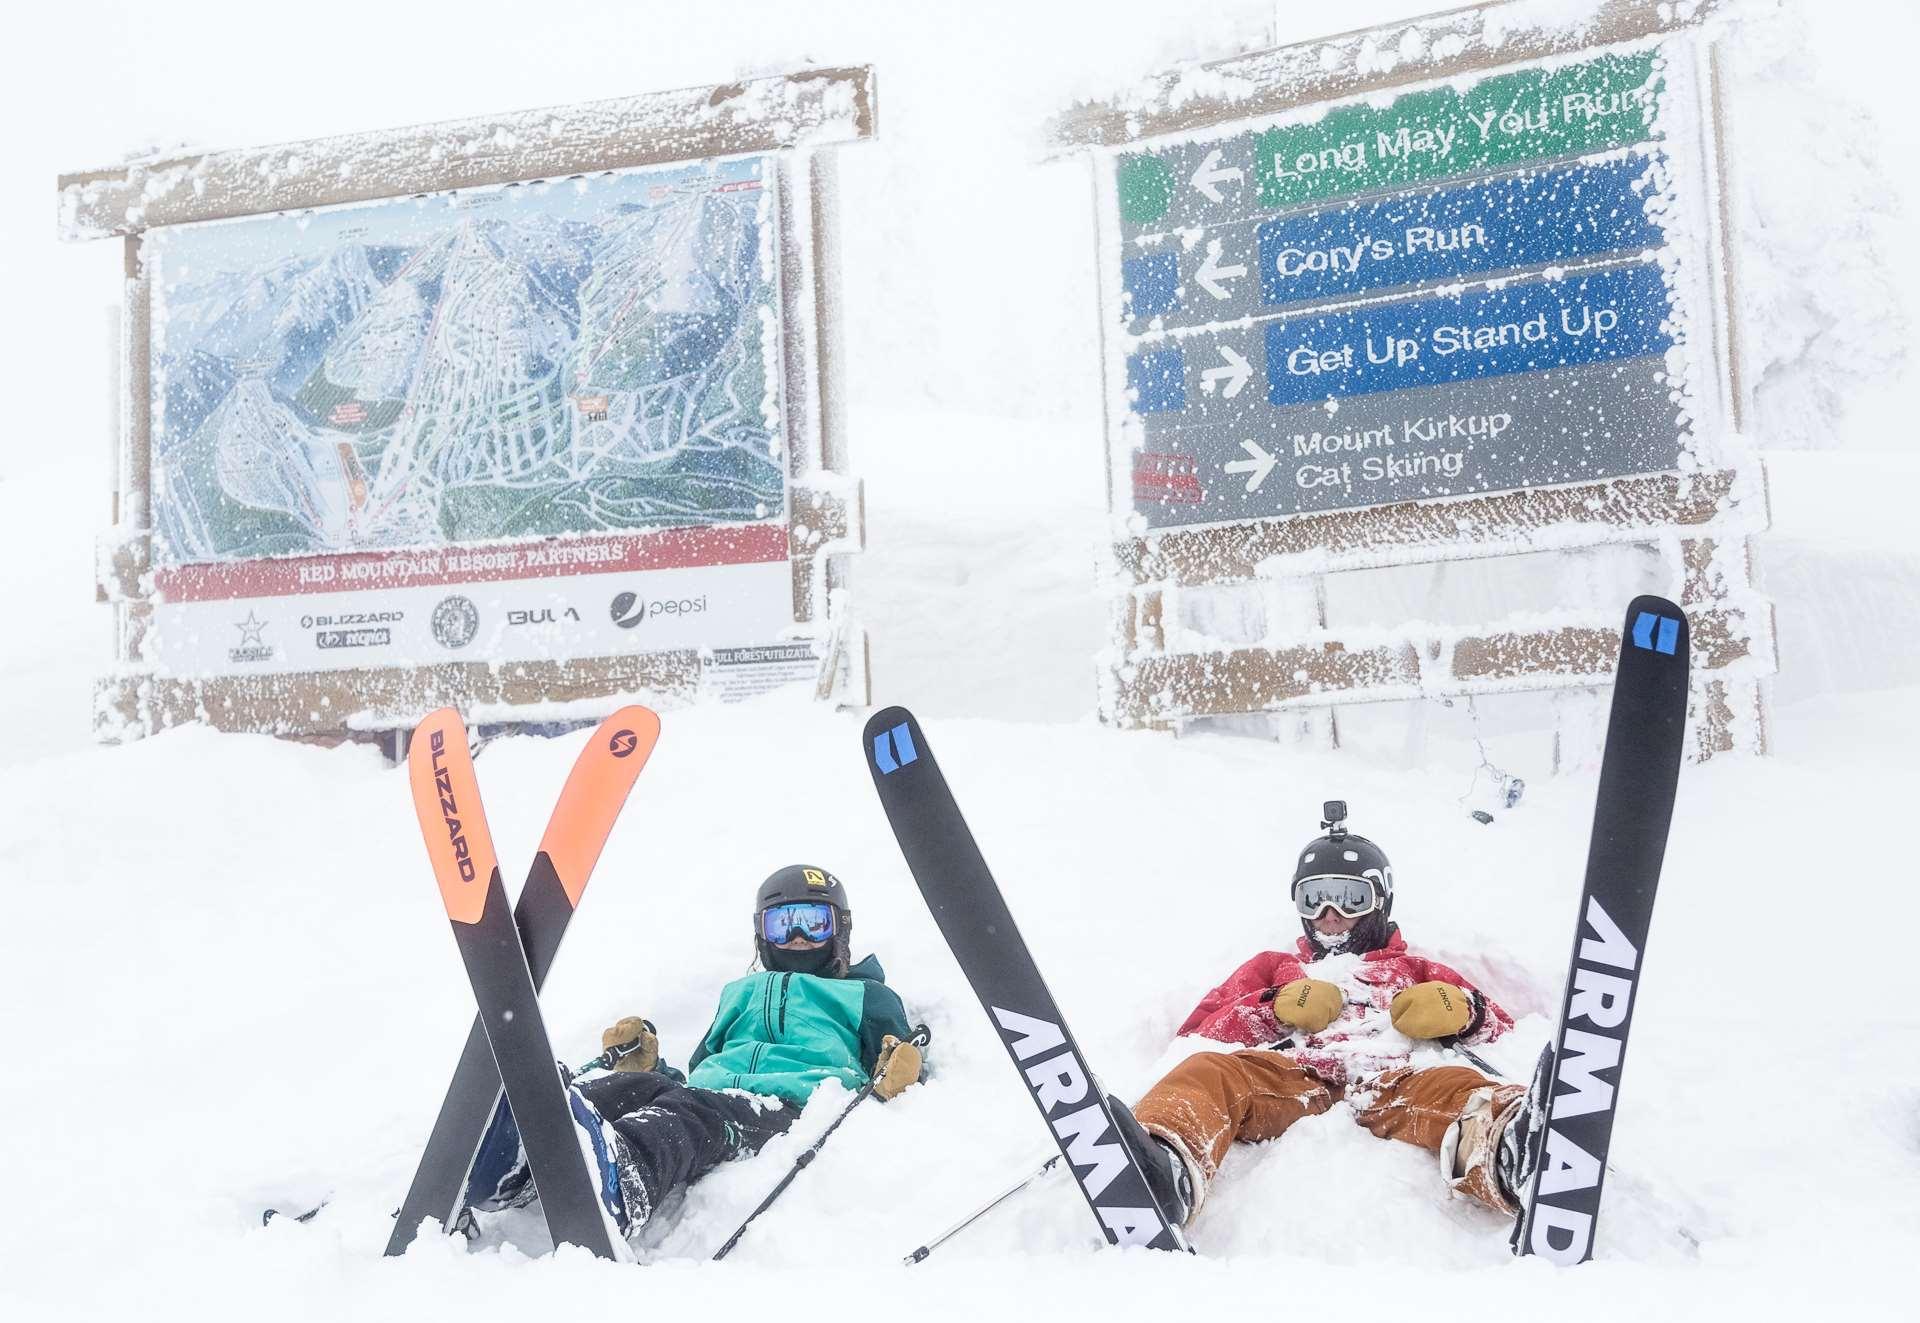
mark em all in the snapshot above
pixel 546 558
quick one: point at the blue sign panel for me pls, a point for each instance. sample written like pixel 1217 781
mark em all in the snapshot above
pixel 1158 380
pixel 1605 316
pixel 1152 284
pixel 1557 215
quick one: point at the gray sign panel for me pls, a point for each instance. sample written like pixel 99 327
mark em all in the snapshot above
pixel 1244 459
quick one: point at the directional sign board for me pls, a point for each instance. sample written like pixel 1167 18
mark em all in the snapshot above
pixel 1469 288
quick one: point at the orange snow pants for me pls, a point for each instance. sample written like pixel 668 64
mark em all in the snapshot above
pixel 1214 1098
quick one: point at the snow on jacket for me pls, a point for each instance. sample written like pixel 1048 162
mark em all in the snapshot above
pixel 1362 1041
pixel 782 1034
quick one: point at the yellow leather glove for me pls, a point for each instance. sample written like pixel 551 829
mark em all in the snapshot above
pixel 897 1067
pixel 1309 1004
pixel 633 1029
pixel 1431 1010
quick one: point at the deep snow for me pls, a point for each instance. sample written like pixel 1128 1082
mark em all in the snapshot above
pixel 226 981
pixel 251 998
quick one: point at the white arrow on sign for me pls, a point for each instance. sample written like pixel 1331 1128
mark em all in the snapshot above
pixel 1211 175
pixel 1235 369
pixel 1259 466
pixel 1211 273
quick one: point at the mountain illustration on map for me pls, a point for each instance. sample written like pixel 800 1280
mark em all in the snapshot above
pixel 502 371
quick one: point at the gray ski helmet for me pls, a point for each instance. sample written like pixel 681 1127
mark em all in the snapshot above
pixel 1340 853
pixel 802 883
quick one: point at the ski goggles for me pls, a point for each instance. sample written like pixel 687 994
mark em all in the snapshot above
pixel 810 919
pixel 1352 896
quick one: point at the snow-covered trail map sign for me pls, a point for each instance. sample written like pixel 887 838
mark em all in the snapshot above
pixel 523 389
pixel 581 356
pixel 1466 289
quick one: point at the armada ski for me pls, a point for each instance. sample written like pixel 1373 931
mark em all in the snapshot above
pixel 577 831
pixel 973 917
pixel 446 796
pixel 1639 773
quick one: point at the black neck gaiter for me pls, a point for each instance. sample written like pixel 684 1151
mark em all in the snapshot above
pixel 821 960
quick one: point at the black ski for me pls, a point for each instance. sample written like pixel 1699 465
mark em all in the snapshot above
pixel 582 817
pixel 973 917
pixel 446 797
pixel 1639 774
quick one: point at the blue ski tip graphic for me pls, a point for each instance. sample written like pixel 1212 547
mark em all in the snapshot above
pixel 893 749
pixel 1646 627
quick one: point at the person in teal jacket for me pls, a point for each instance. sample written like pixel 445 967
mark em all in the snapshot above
pixel 808 1013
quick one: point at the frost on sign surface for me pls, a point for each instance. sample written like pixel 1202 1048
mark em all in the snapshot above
pixel 524 361
pixel 1465 288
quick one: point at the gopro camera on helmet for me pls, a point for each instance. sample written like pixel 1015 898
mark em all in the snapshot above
pixel 1349 873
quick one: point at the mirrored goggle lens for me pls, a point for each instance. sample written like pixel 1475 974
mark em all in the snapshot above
pixel 811 920
pixel 1352 896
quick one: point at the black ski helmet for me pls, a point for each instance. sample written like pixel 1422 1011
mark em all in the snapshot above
pixel 1340 853
pixel 802 883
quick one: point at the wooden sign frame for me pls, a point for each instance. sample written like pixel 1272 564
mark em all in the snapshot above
pixel 793 118
pixel 1697 523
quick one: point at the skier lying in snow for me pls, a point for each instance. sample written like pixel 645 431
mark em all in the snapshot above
pixel 805 1016
pixel 1337 1018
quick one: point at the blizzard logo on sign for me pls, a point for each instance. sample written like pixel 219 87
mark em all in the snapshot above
pixel 893 749
pixel 1059 1084
pixel 1566 1195
pixel 1656 633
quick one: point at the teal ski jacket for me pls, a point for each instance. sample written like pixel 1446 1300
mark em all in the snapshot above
pixel 782 1034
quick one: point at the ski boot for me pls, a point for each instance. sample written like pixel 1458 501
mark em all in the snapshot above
pixel 1170 1178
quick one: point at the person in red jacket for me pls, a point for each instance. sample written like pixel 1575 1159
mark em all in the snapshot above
pixel 1337 1018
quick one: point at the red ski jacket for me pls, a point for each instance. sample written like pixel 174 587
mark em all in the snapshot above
pixel 1362 1042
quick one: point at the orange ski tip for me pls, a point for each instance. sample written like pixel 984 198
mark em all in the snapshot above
pixel 596 788
pixel 446 798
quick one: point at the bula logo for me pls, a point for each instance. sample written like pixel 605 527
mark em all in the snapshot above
pixel 450 811
pixel 546 615
pixel 629 609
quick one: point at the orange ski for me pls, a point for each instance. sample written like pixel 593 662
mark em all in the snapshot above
pixel 446 797
pixel 583 817
pixel 595 791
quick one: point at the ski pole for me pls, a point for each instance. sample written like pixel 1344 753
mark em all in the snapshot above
pixel 1480 1063
pixel 920 1038
pixel 981 1211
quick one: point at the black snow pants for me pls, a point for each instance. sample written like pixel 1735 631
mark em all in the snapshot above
pixel 671 1134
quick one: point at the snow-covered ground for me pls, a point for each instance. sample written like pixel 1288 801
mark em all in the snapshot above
pixel 230 985
pixel 225 981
